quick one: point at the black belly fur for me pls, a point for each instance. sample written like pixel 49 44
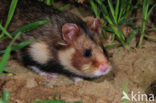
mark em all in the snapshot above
pixel 51 66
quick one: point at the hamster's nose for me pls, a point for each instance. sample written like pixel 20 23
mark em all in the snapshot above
pixel 104 67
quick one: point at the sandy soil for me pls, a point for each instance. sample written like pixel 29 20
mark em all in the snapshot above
pixel 137 67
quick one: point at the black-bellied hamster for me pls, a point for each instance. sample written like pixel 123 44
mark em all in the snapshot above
pixel 67 44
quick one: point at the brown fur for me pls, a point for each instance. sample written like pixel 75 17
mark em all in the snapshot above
pixel 93 63
pixel 78 60
pixel 63 41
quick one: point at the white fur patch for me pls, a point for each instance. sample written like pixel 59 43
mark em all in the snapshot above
pixel 39 52
pixel 36 70
pixel 65 58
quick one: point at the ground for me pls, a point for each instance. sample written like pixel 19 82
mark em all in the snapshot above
pixel 137 67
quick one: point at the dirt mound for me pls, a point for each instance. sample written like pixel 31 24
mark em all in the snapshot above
pixel 137 67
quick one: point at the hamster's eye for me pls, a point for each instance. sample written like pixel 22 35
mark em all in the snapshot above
pixel 88 53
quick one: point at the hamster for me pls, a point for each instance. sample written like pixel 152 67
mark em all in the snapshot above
pixel 66 45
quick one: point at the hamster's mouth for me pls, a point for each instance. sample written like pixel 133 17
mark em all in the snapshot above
pixel 102 71
pixel 99 73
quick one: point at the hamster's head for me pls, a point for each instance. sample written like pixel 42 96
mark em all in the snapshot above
pixel 83 56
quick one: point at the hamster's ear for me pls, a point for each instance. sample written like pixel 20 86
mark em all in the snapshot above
pixel 70 32
pixel 95 25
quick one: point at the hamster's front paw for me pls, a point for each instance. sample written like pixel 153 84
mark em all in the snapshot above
pixel 44 74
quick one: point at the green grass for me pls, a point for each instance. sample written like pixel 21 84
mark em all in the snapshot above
pixel 14 35
pixel 146 11
pixel 111 46
pixel 5 97
pixel 10 15
pixel 116 13
pixel 52 3
pixel 113 14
